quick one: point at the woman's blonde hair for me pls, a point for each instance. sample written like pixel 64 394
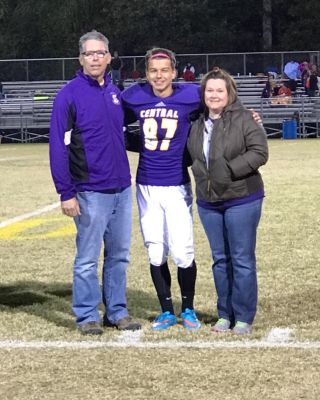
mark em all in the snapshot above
pixel 219 73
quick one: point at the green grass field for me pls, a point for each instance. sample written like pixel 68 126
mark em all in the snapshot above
pixel 44 357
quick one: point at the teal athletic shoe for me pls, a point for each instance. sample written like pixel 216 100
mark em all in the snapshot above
pixel 222 325
pixel 190 320
pixel 242 328
pixel 164 321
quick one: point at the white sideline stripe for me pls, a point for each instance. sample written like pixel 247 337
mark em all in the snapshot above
pixel 130 337
pixel 280 335
pixel 13 149
pixel 170 344
pixel 15 158
pixel 29 215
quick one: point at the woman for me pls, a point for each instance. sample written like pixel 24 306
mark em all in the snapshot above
pixel 227 147
pixel 311 84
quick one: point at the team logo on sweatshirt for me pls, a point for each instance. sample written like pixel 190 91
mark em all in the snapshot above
pixel 115 99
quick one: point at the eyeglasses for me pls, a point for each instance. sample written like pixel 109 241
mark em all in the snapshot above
pixel 91 53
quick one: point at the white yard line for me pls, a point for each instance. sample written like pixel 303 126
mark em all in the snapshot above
pixel 168 344
pixel 29 215
pixel 276 338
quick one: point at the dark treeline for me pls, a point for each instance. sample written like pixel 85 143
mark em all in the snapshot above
pixel 51 28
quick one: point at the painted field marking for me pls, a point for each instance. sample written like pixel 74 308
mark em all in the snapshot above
pixel 168 344
pixel 130 337
pixel 276 338
pixel 38 229
pixel 31 214
pixel 282 335
pixel 5 159
pixel 24 227
pixel 11 148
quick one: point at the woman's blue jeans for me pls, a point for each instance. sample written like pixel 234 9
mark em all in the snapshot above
pixel 105 218
pixel 232 237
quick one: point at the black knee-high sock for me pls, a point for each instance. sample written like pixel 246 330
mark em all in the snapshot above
pixel 187 281
pixel 162 282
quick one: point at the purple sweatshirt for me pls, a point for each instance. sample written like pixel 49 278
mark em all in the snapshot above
pixel 87 150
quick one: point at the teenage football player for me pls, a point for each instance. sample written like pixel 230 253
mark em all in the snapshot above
pixel 164 192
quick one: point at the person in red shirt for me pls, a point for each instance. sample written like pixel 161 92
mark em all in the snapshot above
pixel 284 90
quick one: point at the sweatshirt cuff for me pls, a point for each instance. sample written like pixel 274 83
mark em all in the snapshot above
pixel 67 195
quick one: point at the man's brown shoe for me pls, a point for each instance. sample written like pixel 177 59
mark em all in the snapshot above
pixel 123 324
pixel 91 328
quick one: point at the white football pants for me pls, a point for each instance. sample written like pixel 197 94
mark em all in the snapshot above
pixel 166 223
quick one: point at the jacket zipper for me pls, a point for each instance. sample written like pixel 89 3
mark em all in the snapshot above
pixel 208 166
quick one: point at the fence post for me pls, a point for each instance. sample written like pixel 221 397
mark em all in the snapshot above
pixel 63 70
pixel 303 133
pixel 282 63
pixel 27 70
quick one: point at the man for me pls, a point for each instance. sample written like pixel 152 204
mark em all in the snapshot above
pixel 163 184
pixel 116 65
pixel 91 173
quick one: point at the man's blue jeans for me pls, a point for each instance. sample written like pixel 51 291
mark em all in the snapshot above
pixel 107 218
pixel 232 237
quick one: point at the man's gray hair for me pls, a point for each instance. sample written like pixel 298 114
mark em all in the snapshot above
pixel 93 35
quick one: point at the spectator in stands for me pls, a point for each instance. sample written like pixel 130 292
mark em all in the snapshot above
pixel 284 89
pixel 291 70
pixel 266 92
pixel 311 83
pixel 229 193
pixel 116 66
pixel 269 89
pixel 305 73
pixel 177 69
pixel 272 70
pixel 283 94
pixel 189 72
pixel 90 169
pixel 136 75
pixel 302 66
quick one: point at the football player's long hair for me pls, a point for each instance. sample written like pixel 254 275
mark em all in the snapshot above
pixel 219 73
pixel 160 53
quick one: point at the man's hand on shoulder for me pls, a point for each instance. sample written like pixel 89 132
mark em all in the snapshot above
pixel 70 207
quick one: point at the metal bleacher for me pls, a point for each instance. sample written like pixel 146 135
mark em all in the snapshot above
pixel 306 110
pixel 27 89
pixel 26 108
